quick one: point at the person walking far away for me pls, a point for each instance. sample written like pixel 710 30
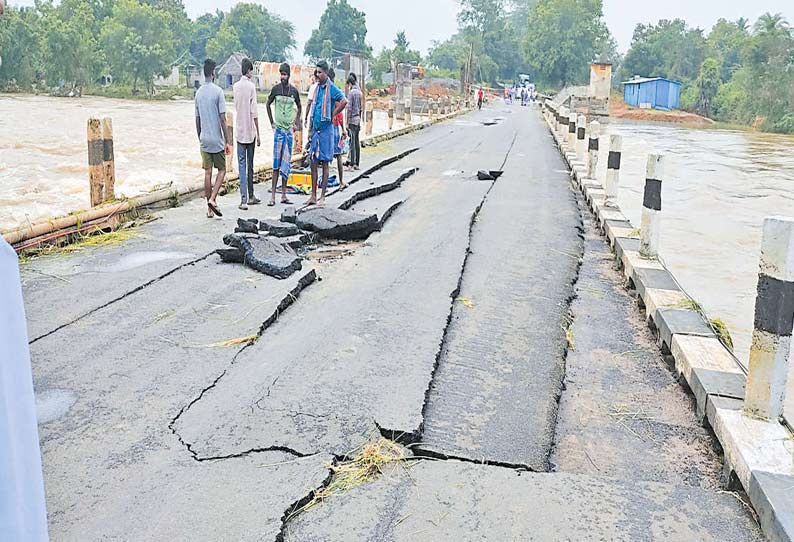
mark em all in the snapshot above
pixel 213 135
pixel 480 96
pixel 247 133
pixel 339 136
pixel 288 115
pixel 328 101
pixel 355 99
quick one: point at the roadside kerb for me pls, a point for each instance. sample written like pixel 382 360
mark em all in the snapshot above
pixel 758 454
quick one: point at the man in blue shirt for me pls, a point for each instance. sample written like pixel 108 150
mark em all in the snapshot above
pixel 327 102
pixel 213 135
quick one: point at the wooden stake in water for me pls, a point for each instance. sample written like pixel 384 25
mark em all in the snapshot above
pixel 108 160
pixel 96 163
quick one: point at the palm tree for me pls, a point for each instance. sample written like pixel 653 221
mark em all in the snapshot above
pixel 771 25
pixel 743 24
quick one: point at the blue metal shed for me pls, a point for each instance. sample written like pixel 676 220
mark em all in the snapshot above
pixel 652 92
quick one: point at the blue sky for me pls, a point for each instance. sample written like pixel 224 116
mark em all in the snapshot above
pixel 428 20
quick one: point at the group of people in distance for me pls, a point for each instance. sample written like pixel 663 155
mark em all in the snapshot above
pixel 324 116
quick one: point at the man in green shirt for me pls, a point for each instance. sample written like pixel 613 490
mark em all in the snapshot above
pixel 288 114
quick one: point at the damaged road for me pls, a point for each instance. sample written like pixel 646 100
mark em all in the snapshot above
pixel 189 399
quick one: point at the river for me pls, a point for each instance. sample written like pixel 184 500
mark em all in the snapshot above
pixel 718 187
pixel 43 156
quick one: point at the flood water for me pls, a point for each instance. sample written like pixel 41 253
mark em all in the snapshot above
pixel 718 187
pixel 43 151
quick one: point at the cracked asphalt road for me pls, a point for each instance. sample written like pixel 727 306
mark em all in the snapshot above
pixel 445 331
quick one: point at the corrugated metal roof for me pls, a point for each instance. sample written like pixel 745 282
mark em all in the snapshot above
pixel 648 79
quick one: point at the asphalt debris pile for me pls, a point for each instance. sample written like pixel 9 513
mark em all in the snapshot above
pixel 277 247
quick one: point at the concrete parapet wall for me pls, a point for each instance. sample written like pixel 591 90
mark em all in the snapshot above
pixel 759 454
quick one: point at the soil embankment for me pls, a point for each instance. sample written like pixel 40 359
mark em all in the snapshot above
pixel 618 109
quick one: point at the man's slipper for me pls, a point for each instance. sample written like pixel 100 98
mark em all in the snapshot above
pixel 214 209
pixel 286 202
pixel 271 203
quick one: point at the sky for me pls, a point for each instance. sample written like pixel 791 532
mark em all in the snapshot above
pixel 427 20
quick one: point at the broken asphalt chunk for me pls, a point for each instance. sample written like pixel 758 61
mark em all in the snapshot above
pixel 279 229
pixel 265 255
pixel 331 223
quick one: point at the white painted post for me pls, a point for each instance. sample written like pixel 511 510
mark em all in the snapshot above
pixel 23 514
pixel 651 226
pixel 774 319
pixel 613 169
pixel 592 149
pixel 572 131
pixel 581 142
pixel 563 124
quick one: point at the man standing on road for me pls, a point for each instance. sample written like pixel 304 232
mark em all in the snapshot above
pixel 247 132
pixel 328 102
pixel 354 101
pixel 213 135
pixel 288 115
pixel 480 96
pixel 309 101
pixel 339 136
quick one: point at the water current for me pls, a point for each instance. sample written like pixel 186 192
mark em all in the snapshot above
pixel 43 156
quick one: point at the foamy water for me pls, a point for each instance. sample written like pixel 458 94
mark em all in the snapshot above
pixel 43 151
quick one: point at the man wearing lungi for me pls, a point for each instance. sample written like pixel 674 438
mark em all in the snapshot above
pixel 288 114
pixel 328 102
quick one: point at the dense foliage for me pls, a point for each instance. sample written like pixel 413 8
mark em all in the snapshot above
pixel 342 28
pixel 77 42
pixel 736 73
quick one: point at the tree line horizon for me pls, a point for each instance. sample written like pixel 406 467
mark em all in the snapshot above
pixel 741 71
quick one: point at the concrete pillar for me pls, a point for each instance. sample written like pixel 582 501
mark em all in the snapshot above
pixel 408 115
pixel 581 142
pixel 435 106
pixel 592 149
pixel 391 115
pixel 230 157
pixel 651 226
pixel 96 161
pixel 563 126
pixel 774 318
pixel 613 169
pixel 572 131
pixel 108 160
pixel 431 107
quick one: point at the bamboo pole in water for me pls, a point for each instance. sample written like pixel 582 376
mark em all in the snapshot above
pixel 96 166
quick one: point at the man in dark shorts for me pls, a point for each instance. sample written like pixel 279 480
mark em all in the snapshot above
pixel 213 135
pixel 288 115
pixel 327 102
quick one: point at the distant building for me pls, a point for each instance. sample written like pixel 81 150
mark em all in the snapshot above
pixel 230 71
pixel 652 93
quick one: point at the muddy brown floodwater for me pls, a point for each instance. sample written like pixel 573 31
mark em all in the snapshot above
pixel 43 156
pixel 718 187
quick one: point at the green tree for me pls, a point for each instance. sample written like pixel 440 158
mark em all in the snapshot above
pixel 72 53
pixel 668 49
pixel 727 40
pixel 204 29
pixel 21 49
pixel 138 42
pixel 707 84
pixel 449 54
pixel 388 58
pixel 223 44
pixel 566 35
pixel 344 26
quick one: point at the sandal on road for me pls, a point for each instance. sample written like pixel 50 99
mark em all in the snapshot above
pixel 285 201
pixel 214 208
pixel 271 203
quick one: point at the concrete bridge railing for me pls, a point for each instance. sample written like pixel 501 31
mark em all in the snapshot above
pixel 744 407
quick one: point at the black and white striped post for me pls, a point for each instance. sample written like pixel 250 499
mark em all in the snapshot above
pixel 651 226
pixel 613 169
pixel 572 131
pixel 563 124
pixel 581 142
pixel 774 319
pixel 592 149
